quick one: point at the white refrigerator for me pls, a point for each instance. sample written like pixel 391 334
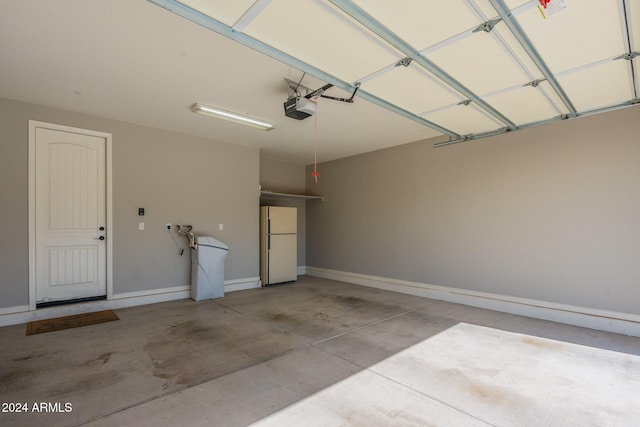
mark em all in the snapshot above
pixel 278 244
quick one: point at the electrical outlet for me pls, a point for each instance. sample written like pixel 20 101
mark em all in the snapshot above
pixel 220 226
pixel 168 226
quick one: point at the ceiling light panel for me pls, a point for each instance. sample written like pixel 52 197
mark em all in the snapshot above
pixel 523 105
pixel 585 32
pixel 480 63
pixel 410 88
pixel 321 36
pixel 464 119
pixel 418 22
pixel 231 116
pixel 227 12
pixel 599 86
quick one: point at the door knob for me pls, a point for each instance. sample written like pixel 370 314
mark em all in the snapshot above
pixel 100 238
pixel 101 228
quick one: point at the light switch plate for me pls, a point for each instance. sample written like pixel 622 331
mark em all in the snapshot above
pixel 141 226
pixel 220 226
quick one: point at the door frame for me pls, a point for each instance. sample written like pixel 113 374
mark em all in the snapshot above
pixel 33 125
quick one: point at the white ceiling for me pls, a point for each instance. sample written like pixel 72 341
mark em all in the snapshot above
pixel 134 61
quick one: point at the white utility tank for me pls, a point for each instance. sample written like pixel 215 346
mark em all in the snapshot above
pixel 207 268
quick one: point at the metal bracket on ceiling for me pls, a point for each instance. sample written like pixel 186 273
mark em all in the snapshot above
pixel 319 93
pixel 404 62
pixel 295 86
pixel 465 102
pixel 487 26
pixel 534 83
pixel 628 56
pixel 474 136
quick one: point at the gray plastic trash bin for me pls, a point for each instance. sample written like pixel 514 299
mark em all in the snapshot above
pixel 207 268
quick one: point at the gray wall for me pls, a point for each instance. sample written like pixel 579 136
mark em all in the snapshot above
pixel 283 177
pixel 550 213
pixel 177 179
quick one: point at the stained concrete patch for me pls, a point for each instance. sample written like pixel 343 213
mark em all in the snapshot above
pixel 318 309
pixel 123 363
pixel 243 397
pixel 191 351
pixel 100 360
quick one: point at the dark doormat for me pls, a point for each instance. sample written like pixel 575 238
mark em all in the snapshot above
pixel 68 322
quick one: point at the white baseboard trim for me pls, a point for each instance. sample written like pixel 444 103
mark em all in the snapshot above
pixel 153 292
pixel 610 321
pixel 15 309
pixel 241 284
pixel 302 270
pixel 21 314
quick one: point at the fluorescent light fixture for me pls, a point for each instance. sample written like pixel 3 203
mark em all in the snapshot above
pixel 233 117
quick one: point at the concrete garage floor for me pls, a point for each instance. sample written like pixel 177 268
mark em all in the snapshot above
pixel 321 352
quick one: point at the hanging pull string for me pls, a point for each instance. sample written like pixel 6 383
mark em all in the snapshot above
pixel 315 174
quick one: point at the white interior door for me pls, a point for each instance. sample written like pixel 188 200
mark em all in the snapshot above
pixel 70 215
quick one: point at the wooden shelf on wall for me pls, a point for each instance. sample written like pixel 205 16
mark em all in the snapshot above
pixel 275 194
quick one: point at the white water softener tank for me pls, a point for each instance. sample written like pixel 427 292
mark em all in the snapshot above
pixel 207 268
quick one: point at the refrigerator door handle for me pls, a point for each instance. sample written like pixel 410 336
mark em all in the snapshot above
pixel 269 242
pixel 268 225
